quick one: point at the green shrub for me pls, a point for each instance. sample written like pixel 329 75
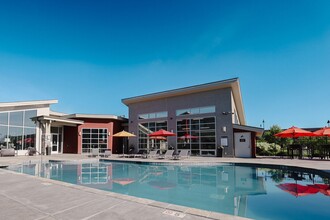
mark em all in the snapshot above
pixel 266 149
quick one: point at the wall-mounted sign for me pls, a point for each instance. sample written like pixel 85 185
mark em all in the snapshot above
pixel 224 141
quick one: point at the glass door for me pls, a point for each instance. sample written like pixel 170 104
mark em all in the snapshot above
pixel 55 147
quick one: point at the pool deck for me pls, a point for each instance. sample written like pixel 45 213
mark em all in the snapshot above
pixel 29 197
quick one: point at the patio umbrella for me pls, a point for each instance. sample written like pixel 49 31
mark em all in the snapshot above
pixel 323 132
pixel 297 189
pixel 123 134
pixel 294 132
pixel 162 133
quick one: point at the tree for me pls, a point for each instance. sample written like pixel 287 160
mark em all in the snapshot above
pixel 269 136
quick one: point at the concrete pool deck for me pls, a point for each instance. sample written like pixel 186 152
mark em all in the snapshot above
pixel 29 197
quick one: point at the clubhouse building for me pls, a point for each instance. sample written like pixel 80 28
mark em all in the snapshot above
pixel 207 119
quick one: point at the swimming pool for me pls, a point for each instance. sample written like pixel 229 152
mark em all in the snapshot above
pixel 247 191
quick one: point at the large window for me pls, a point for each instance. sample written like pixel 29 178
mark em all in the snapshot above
pixel 153 115
pixel 146 128
pixel 195 111
pixel 17 130
pixel 198 135
pixel 94 138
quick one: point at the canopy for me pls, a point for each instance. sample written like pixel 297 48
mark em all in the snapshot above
pixel 297 189
pixel 294 132
pixel 123 134
pixel 162 133
pixel 322 132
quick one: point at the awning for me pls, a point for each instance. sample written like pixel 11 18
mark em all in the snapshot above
pixel 58 120
pixel 258 131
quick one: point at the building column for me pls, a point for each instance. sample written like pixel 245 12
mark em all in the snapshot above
pixel 46 137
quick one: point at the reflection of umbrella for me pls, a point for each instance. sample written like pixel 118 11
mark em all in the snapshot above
pixel 123 181
pixel 123 134
pixel 322 188
pixel 297 190
pixel 294 132
pixel 161 133
pixel 162 185
pixel 188 136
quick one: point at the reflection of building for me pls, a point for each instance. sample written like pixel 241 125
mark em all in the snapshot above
pixel 205 118
pixel 94 173
pixel 221 188
pixel 33 124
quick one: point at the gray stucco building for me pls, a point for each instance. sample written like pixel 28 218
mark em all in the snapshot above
pixel 208 119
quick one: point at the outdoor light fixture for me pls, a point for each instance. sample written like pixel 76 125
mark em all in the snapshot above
pixel 224 129
pixel 109 133
pixel 79 133
pixel 227 113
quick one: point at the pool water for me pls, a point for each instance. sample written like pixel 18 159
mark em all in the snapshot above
pixel 259 193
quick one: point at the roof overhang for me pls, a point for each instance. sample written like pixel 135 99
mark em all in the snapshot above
pixel 95 116
pixel 229 83
pixel 258 131
pixel 58 120
pixel 28 103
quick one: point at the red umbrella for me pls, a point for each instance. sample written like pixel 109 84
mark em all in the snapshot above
pixel 322 132
pixel 162 133
pixel 322 188
pixel 294 132
pixel 297 190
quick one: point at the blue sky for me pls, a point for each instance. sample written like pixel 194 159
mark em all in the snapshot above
pixel 91 54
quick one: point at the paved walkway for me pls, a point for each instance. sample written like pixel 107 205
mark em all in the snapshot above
pixel 29 197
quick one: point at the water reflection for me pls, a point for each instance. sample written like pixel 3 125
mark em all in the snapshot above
pixel 235 190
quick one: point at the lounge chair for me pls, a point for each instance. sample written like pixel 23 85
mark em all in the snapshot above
pixel 95 152
pixel 168 154
pixel 32 151
pixel 153 154
pixel 140 153
pixel 182 154
pixel 106 153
